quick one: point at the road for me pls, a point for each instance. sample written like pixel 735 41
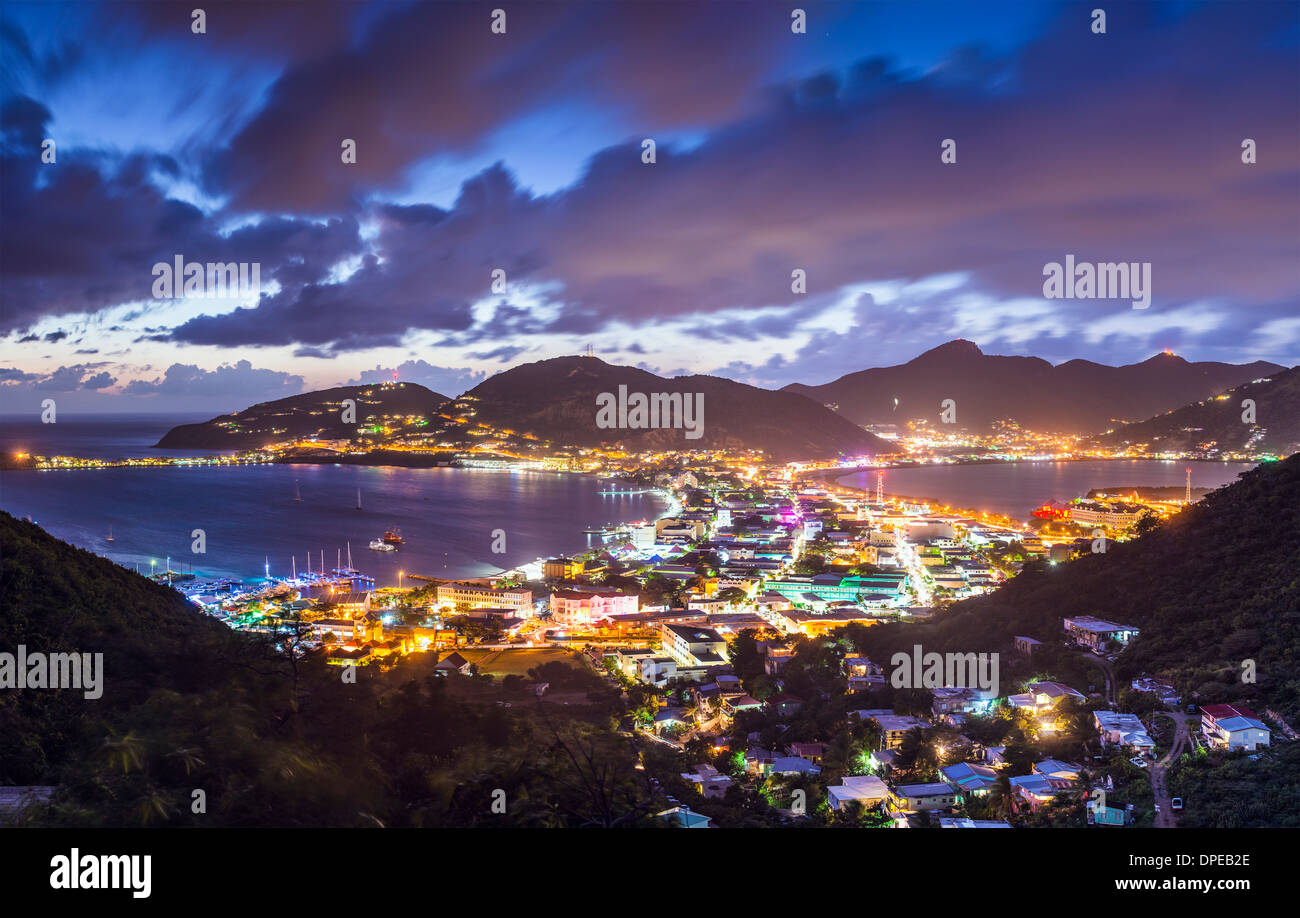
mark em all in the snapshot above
pixel 1167 818
pixel 1108 671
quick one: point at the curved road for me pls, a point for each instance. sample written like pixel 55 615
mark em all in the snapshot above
pixel 1166 818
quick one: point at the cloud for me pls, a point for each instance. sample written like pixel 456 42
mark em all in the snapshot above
pixel 447 380
pixel 73 378
pixel 239 383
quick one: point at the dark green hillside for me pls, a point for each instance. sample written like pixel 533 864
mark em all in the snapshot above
pixel 58 599
pixel 1216 585
pixel 191 705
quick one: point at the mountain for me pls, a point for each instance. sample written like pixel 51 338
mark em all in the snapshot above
pixel 1215 425
pixel 1217 584
pixel 311 415
pixel 1076 397
pixel 556 400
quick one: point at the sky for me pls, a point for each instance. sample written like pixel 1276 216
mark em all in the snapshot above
pixel 523 152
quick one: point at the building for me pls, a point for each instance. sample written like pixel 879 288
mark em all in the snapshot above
pixel 867 790
pixel 1125 730
pixel 562 568
pixel 1230 726
pixel 1115 515
pixel 1027 645
pixel 711 783
pixel 893 727
pixel 1097 633
pixel 694 646
pixel 583 607
pixel 452 663
pixel 971 779
pixel 917 798
pixel 462 597
pixel 1034 789
pixel 352 605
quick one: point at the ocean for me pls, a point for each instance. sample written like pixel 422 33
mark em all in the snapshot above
pixel 251 521
pixel 1014 489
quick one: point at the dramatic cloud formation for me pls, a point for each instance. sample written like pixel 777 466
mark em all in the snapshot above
pixel 1122 147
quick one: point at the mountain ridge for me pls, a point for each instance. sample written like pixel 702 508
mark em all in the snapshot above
pixel 1075 397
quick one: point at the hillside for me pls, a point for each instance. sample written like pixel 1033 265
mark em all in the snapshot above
pixel 1075 397
pixel 274 741
pixel 1211 587
pixel 1215 425
pixel 311 415
pixel 55 598
pixel 556 400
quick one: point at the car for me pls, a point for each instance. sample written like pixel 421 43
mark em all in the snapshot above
pixel 1176 803
pixel 1157 808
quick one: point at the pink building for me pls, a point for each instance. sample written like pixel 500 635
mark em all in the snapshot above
pixel 581 607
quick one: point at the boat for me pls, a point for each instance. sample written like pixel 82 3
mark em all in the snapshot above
pixel 110 535
pixel 381 545
pixel 394 537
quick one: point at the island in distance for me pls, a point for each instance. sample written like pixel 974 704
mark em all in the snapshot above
pixel 539 407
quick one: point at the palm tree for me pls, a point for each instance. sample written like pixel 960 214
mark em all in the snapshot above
pixel 127 751
pixel 1002 798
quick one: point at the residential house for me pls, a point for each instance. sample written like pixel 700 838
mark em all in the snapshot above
pixel 971 779
pixel 1125 730
pixel 867 790
pixel 1229 726
pixel 917 798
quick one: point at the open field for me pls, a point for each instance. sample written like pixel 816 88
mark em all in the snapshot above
pixel 517 662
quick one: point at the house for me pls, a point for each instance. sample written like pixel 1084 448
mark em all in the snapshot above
pixel 1229 726
pixel 813 752
pixel 350 656
pixel 669 719
pixel 1158 687
pixel 734 704
pixel 1125 730
pixel 1035 790
pixel 1097 633
pixel 692 647
pixel 792 765
pixel 785 704
pixel 711 783
pixel 917 798
pixel 683 817
pixel 971 779
pixel 865 789
pixel 993 755
pixel 452 663
pixel 759 761
pixel 1059 774
pixel 894 727
pixel 951 700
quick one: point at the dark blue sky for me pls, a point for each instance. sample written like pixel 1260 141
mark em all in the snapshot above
pixel 522 151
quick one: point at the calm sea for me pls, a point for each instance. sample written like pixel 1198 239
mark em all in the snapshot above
pixel 1016 488
pixel 250 518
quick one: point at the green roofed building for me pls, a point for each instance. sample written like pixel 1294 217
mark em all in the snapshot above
pixel 834 588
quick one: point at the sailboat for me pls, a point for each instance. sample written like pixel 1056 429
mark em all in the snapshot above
pixel 110 533
pixel 297 491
